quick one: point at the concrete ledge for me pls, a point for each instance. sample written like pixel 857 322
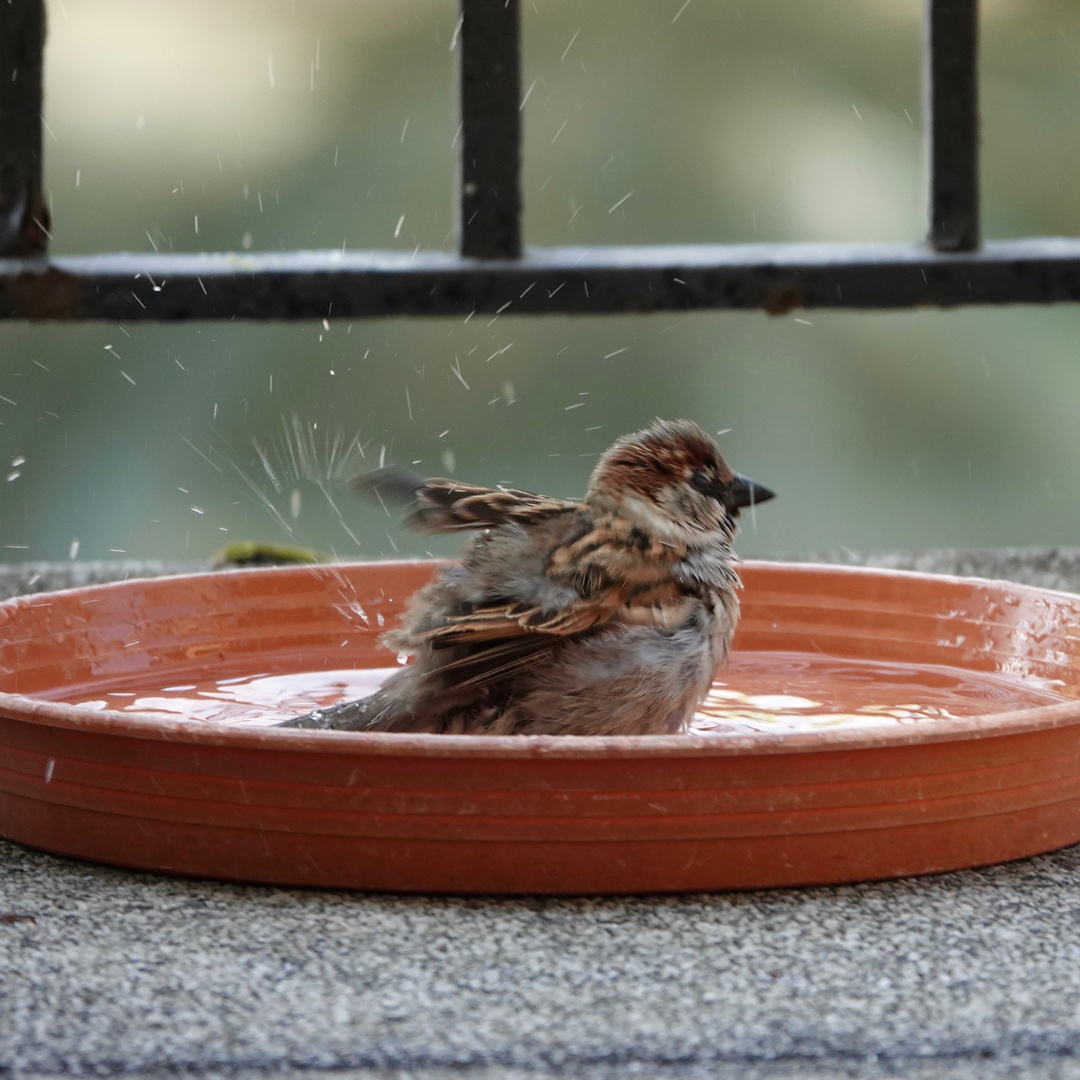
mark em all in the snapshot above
pixel 1050 568
pixel 1046 567
pixel 36 577
pixel 974 974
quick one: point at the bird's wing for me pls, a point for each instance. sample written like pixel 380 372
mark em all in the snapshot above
pixel 486 662
pixel 498 640
pixel 439 505
pixel 605 580
pixel 497 622
pixel 566 571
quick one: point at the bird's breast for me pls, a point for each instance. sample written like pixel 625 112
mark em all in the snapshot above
pixel 669 615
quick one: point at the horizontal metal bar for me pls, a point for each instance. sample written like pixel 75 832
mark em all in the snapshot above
pixel 490 162
pixel 950 67
pixel 24 217
pixel 329 284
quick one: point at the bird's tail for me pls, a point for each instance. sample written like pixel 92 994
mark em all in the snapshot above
pixel 374 713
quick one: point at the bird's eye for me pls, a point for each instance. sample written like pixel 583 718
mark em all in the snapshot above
pixel 704 483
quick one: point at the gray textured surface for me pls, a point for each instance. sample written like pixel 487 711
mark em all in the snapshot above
pixel 35 577
pixel 1049 568
pixel 128 971
pixel 973 974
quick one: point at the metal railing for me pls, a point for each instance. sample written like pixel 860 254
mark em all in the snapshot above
pixel 492 270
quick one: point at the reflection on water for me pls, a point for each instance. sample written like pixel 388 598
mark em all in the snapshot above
pixel 788 692
pixel 759 692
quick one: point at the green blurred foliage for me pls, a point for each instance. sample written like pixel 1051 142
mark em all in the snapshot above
pixel 317 123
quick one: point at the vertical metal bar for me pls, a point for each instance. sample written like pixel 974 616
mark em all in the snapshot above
pixel 490 164
pixel 950 67
pixel 24 217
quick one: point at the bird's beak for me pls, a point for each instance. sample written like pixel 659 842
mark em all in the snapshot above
pixel 746 492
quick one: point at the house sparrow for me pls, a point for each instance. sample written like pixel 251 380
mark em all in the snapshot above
pixel 602 617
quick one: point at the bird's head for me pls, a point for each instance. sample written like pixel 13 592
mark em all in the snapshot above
pixel 672 481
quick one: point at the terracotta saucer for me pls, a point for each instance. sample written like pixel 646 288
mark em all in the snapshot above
pixel 472 814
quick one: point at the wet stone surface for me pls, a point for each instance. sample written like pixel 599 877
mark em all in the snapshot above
pixel 971 974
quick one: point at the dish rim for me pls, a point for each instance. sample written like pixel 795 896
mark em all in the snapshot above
pixel 151 727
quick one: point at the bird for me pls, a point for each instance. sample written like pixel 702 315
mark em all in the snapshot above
pixel 603 616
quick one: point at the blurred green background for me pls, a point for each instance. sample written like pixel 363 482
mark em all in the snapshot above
pixel 185 125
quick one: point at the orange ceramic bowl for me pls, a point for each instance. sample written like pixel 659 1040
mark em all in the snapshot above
pixel 480 814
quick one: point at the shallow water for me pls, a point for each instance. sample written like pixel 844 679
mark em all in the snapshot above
pixel 769 692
